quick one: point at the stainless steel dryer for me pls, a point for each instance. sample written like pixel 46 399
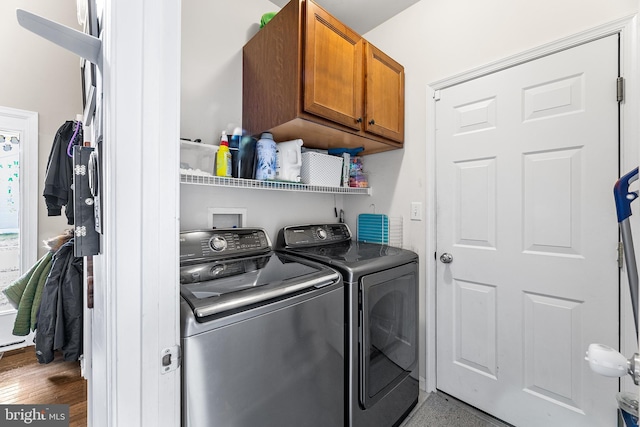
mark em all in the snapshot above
pixel 262 334
pixel 381 285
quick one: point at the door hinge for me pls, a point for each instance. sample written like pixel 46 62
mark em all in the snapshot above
pixel 170 359
pixel 436 95
pixel 620 255
pixel 620 89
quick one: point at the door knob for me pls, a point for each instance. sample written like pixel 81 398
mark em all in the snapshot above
pixel 446 258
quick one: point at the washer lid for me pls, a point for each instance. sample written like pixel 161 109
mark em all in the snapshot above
pixel 335 248
pixel 220 286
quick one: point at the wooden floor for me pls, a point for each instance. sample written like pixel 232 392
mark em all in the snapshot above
pixel 24 381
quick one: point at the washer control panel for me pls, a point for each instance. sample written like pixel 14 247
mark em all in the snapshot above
pixel 222 243
pixel 297 236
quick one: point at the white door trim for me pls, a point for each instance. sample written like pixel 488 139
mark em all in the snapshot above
pixel 26 122
pixel 627 29
pixel 136 286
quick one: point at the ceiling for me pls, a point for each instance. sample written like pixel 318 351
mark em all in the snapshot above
pixel 361 15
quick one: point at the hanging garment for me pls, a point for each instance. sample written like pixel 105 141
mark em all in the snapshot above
pixel 59 175
pixel 59 324
pixel 25 294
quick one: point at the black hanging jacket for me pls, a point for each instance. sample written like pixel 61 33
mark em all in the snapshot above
pixel 59 174
pixel 59 325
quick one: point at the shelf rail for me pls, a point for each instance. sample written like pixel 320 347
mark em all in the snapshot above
pixel 219 181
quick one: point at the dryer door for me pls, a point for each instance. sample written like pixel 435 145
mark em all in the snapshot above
pixel 389 333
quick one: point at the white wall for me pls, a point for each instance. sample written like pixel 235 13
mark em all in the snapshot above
pixel 437 39
pixel 213 34
pixel 42 77
pixel 268 209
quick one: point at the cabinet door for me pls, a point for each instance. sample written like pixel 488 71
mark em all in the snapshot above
pixel 384 99
pixel 333 75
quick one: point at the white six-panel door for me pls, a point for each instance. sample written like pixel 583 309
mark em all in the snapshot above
pixel 526 160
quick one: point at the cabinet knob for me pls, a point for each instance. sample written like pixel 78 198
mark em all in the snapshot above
pixel 372 122
pixel 359 120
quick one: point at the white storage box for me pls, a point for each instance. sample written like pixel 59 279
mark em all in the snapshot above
pixel 321 169
pixel 197 158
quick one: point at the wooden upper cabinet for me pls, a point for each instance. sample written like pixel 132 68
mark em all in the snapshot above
pixel 333 73
pixel 307 75
pixel 384 95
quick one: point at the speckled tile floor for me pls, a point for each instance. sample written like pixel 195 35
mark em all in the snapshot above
pixel 441 410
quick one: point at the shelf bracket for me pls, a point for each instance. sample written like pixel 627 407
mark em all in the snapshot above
pixel 82 44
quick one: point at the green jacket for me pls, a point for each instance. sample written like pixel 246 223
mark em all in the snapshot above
pixel 26 293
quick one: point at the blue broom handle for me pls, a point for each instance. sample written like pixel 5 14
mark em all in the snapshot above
pixel 623 198
pixel 632 269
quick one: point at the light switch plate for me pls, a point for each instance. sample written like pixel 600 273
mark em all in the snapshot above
pixel 416 211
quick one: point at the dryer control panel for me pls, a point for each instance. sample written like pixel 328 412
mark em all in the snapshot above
pixel 299 236
pixel 202 245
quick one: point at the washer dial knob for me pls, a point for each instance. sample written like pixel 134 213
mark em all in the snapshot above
pixel 322 233
pixel 218 243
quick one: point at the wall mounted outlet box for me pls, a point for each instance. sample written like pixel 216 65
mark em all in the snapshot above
pixel 227 217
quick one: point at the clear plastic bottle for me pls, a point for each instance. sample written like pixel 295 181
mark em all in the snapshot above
pixel 223 158
pixel 266 157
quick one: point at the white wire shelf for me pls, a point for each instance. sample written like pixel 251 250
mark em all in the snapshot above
pixel 219 181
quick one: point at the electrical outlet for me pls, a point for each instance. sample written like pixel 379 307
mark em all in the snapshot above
pixel 416 211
